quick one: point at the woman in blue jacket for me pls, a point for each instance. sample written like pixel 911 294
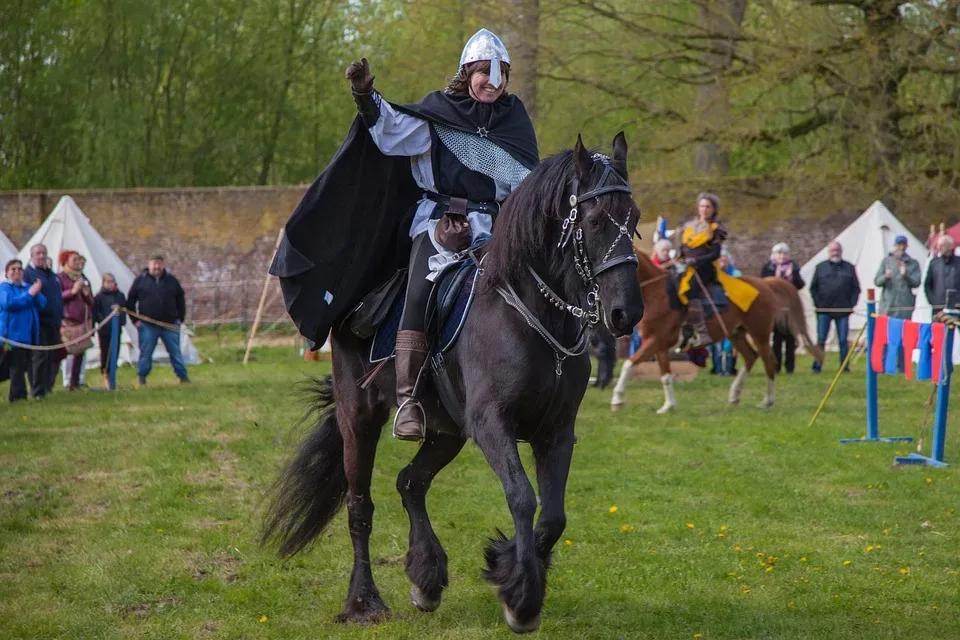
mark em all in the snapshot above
pixel 19 322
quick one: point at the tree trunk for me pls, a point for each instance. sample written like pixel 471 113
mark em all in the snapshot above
pixel 721 18
pixel 881 111
pixel 521 34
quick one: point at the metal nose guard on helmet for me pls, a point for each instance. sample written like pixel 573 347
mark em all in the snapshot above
pixel 485 45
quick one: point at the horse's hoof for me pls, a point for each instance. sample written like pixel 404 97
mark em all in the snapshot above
pixel 665 409
pixel 423 603
pixel 765 404
pixel 516 626
pixel 616 407
pixel 734 401
pixel 364 616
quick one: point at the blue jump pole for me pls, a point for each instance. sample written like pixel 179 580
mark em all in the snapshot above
pixel 873 421
pixel 114 349
pixel 935 459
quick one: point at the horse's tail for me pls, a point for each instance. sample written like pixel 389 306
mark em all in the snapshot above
pixel 791 316
pixel 311 489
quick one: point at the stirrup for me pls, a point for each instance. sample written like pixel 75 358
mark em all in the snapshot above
pixel 423 421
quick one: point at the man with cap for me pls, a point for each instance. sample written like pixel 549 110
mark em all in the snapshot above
pixel 434 172
pixel 157 294
pixel 897 277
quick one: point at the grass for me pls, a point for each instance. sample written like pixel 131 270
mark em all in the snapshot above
pixel 135 514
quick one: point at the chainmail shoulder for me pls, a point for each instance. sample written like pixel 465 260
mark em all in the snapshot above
pixel 482 155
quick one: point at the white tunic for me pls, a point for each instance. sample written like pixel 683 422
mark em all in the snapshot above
pixel 400 134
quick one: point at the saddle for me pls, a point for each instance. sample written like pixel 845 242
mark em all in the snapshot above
pixel 447 308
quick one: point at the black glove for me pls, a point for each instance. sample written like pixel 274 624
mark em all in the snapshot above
pixel 361 84
pixel 358 73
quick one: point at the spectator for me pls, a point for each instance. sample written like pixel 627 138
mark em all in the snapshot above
pixel 944 274
pixel 20 322
pixel 721 353
pixel 43 364
pixel 835 289
pixel 103 303
pixel 661 252
pixel 781 266
pixel 69 362
pixel 897 277
pixel 157 294
pixel 77 309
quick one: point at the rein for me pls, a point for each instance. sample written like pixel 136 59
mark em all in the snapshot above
pixel 571 230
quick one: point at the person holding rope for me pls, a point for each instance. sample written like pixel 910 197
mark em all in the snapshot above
pixel 77 312
pixel 156 294
pixel 835 289
pixel 20 305
pixel 43 363
pixel 103 304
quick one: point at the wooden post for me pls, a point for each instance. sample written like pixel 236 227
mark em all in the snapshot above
pixel 263 299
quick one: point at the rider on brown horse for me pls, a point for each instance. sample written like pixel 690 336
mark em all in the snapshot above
pixel 701 244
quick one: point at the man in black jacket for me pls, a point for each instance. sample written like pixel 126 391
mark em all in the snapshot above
pixel 157 295
pixel 43 364
pixel 943 275
pixel 835 289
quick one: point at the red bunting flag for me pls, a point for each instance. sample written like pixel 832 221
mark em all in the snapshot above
pixel 938 335
pixel 911 338
pixel 879 342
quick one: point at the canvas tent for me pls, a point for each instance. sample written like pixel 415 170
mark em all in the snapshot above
pixel 865 243
pixel 7 250
pixel 68 228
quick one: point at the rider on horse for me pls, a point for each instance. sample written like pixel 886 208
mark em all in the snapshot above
pixel 701 244
pixel 469 147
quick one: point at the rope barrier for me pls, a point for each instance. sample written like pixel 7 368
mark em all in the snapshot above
pixel 89 334
pixel 54 347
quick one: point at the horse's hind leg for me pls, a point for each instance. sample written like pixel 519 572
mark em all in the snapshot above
pixel 512 565
pixel 361 416
pixel 426 560
pixel 770 366
pixel 666 380
pixel 739 340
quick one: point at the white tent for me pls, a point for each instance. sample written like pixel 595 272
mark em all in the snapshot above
pixel 7 250
pixel 865 243
pixel 67 228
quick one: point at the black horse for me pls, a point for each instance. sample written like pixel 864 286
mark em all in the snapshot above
pixel 521 368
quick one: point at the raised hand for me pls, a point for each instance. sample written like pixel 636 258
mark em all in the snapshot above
pixel 358 73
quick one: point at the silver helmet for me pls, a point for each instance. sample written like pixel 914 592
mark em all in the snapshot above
pixel 485 45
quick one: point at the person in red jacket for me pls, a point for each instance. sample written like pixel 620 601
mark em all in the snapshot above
pixel 77 304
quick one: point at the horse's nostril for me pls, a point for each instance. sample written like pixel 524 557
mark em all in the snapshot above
pixel 618 317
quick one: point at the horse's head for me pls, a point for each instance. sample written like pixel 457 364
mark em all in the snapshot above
pixel 600 226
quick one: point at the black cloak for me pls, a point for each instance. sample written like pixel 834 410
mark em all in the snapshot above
pixel 350 230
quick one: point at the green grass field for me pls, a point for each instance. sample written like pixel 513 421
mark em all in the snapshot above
pixel 135 515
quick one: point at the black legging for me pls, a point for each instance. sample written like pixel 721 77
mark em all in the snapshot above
pixel 418 287
pixel 784 348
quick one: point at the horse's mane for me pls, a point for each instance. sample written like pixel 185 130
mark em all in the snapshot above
pixel 524 225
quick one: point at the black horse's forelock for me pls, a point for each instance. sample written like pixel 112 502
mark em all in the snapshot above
pixel 520 236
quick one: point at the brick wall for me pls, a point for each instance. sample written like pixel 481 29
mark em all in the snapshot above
pixel 218 241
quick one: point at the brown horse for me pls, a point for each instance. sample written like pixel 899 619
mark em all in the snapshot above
pixel 778 304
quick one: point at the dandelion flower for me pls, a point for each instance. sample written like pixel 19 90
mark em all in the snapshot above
pixel 690 525
pixel 921 554
pixel 904 571
pixel 625 528
pixel 568 542
pixel 803 559
pixel 769 568
pixel 886 531
pixel 870 548
pixel 929 480
pixel 759 554
pixel 614 509
pixel 698 635
pixel 264 618
pixel 846 563
pixel 723 527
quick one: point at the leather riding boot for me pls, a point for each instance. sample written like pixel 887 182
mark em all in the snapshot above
pixel 412 350
pixel 695 332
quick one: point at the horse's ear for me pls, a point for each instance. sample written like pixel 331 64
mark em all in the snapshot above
pixel 620 151
pixel 581 157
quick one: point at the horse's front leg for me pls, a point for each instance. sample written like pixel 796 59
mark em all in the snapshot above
pixel 426 559
pixel 666 380
pixel 512 565
pixel 553 458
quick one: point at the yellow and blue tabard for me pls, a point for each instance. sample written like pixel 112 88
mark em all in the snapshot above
pixel 739 292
